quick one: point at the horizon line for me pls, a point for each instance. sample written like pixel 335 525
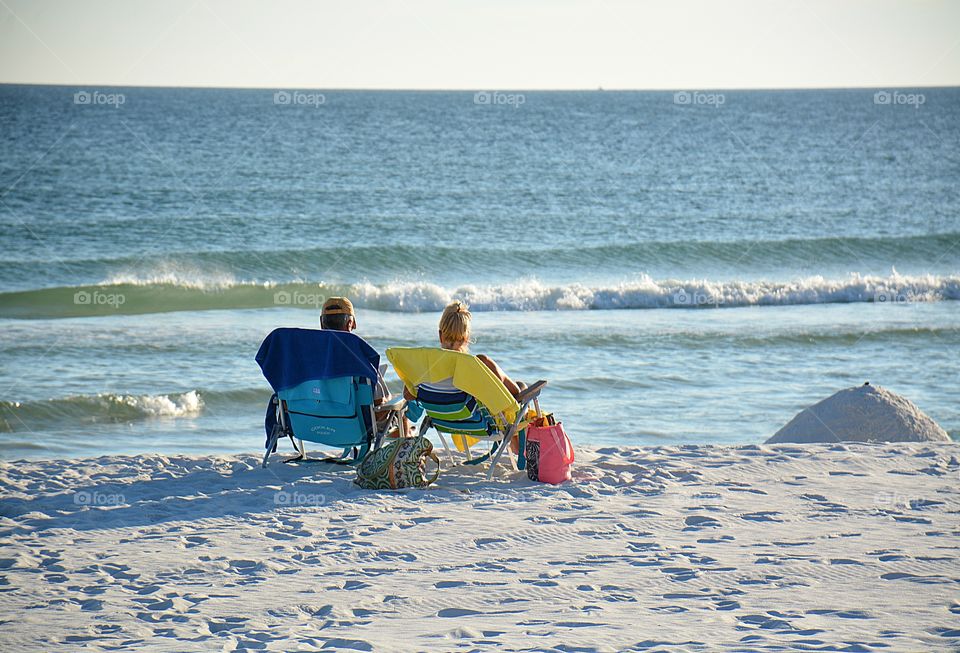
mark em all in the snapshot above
pixel 598 89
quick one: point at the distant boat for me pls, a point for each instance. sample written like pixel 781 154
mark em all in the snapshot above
pixel 599 88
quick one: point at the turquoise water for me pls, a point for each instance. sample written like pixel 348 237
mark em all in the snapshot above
pixel 679 273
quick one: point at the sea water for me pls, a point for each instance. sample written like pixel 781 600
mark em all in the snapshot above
pixel 681 271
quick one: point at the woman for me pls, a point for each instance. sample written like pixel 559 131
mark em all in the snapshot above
pixel 455 335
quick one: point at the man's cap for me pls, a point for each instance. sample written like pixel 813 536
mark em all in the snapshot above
pixel 337 306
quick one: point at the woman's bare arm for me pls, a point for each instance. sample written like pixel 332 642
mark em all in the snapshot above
pixel 512 387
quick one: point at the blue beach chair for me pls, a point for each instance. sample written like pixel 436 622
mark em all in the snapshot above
pixel 323 382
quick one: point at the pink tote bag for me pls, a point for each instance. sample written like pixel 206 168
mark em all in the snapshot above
pixel 549 454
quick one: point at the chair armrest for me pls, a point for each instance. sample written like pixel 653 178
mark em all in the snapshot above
pixel 531 391
pixel 397 403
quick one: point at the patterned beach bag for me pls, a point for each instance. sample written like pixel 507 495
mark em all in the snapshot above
pixel 548 451
pixel 398 464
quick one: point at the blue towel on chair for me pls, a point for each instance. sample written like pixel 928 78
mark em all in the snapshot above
pixel 289 357
pixel 270 421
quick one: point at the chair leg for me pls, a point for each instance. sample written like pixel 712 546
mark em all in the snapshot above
pixel 381 434
pixel 301 451
pixel 509 438
pixel 270 445
pixel 493 463
pixel 447 449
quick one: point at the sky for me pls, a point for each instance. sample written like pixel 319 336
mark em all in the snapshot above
pixel 482 44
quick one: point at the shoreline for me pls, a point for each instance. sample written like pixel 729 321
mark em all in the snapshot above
pixel 690 547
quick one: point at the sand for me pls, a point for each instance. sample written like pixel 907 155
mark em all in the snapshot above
pixel 694 548
pixel 865 413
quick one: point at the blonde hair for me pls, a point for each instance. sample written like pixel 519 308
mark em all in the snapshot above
pixel 455 323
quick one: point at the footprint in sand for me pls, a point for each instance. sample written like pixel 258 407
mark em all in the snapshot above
pixel 277 535
pixel 615 594
pixel 355 585
pixel 90 605
pixel 457 612
pixel 248 570
pixel 716 540
pixel 119 572
pixel 764 515
pixel 679 574
pixel 824 505
pixel 390 556
pixel 696 522
pixel 843 614
pixel 764 621
pixel 52 562
pixel 925 580
pixel 669 609
pixel 845 561
pixel 893 557
pixel 540 582
pixel 339 643
pixel 162 604
pixel 228 624
pixel 577 624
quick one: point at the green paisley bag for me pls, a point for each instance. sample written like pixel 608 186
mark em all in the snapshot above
pixel 398 464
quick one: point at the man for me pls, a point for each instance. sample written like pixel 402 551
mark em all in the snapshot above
pixel 337 314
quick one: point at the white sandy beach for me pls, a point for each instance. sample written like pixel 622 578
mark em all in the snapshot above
pixel 750 548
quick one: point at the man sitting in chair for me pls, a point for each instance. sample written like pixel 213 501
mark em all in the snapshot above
pixel 337 315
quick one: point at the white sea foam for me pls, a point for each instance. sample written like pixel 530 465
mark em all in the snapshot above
pixel 222 291
pixel 175 275
pixel 173 405
pixel 105 407
pixel 645 292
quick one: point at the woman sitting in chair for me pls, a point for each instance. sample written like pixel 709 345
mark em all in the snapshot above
pixel 455 335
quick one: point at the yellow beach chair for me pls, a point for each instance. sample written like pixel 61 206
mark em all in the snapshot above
pixel 462 398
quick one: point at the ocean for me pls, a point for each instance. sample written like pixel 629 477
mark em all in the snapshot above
pixel 691 267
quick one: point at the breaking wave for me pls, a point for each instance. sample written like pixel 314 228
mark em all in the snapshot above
pixel 114 408
pixel 149 295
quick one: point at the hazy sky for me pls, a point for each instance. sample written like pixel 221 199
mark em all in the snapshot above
pixel 482 44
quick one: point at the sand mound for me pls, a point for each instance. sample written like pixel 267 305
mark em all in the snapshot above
pixel 862 414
